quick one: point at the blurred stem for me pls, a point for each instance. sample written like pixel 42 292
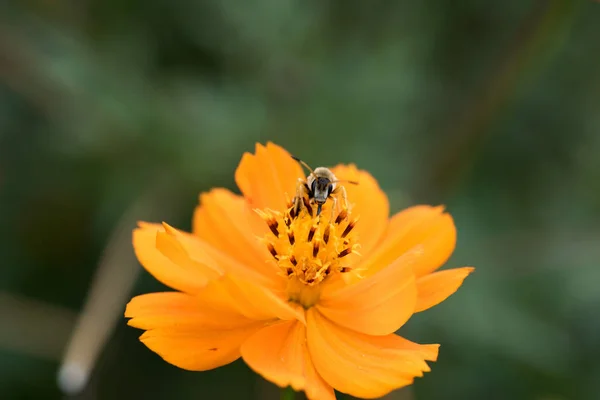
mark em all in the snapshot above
pixel 288 394
pixel 110 289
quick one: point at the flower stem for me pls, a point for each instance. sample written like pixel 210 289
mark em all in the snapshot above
pixel 288 393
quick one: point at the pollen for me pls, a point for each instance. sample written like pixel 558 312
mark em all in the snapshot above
pixel 310 249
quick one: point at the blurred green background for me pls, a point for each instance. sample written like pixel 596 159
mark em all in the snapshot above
pixel 113 111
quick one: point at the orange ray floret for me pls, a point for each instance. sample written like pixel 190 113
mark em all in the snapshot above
pixel 308 301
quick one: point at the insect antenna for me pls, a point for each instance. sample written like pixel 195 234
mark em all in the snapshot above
pixel 346 181
pixel 304 164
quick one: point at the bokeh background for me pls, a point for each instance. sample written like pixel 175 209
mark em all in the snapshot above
pixel 114 111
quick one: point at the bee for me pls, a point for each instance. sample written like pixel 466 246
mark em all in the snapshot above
pixel 318 187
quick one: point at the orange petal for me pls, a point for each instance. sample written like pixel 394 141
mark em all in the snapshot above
pixel 187 249
pixel 225 221
pixel 185 277
pixel 267 177
pixel 198 348
pixel 368 202
pixel 175 309
pixel 437 287
pixel 429 352
pixel 362 365
pixel 187 333
pixel 425 226
pixel 377 305
pixel 279 353
pixel 242 288
pixel 260 303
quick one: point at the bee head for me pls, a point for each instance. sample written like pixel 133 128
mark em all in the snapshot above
pixel 321 188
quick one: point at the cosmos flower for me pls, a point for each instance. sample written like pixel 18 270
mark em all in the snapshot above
pixel 308 302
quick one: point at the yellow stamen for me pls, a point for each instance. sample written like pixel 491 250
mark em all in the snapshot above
pixel 308 249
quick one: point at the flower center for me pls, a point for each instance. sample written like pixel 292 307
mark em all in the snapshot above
pixel 309 249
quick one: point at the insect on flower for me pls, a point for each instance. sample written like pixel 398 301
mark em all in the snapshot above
pixel 288 292
pixel 320 185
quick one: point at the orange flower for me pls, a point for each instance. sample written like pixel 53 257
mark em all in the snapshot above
pixel 291 294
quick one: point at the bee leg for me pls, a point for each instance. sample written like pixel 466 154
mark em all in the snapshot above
pixel 298 199
pixel 333 207
pixel 342 191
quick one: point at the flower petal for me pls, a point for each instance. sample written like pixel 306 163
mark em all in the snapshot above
pixel 226 221
pixel 368 202
pixel 279 353
pixel 260 303
pixel 254 295
pixel 184 277
pixel 377 305
pixel 187 249
pixel 198 348
pixel 176 309
pixel 268 178
pixel 187 333
pixel 362 365
pixel 425 226
pixel 437 287
pixel 429 352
